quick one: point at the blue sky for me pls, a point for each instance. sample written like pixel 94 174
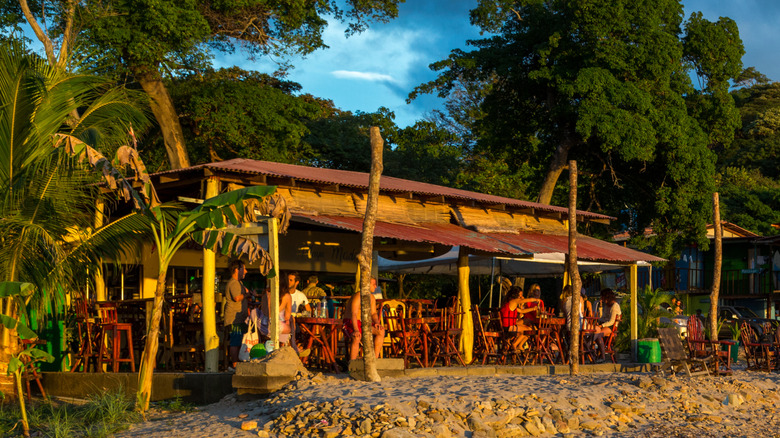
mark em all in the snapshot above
pixel 382 65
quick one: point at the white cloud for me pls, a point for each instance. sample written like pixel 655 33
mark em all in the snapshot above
pixel 363 76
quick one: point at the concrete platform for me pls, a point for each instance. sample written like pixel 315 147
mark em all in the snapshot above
pixel 198 388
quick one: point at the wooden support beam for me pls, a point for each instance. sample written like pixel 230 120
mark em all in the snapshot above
pixel 330 188
pixel 258 179
pixel 164 179
pixel 210 338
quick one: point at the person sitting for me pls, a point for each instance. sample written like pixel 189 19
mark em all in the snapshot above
pixel 534 301
pixel 312 291
pixel 300 303
pixel 609 312
pixel 587 308
pixel 353 325
pixel 513 307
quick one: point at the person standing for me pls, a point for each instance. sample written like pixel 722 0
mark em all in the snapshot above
pixel 236 297
pixel 376 291
pixel 352 326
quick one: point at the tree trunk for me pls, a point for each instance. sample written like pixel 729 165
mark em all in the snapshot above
pixel 574 274
pixel 165 113
pixel 149 356
pixel 716 268
pixel 557 164
pixel 365 257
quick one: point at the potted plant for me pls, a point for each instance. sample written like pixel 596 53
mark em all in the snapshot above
pixel 734 348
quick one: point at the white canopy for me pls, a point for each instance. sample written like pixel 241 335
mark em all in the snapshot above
pixel 537 265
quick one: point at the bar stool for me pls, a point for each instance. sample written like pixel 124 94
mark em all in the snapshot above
pixel 88 334
pixel 111 325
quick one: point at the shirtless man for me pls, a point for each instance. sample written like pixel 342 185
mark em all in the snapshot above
pixel 353 326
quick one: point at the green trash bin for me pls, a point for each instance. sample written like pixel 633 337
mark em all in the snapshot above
pixel 648 350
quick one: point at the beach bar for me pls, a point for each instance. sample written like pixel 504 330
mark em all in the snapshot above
pixel 416 223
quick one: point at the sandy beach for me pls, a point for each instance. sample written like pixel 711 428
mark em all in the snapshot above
pixel 599 404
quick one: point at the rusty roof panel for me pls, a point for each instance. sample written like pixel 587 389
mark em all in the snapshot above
pixel 360 180
pixel 588 248
pixel 445 234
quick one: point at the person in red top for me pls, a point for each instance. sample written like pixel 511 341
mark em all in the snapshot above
pixel 514 306
pixel 534 302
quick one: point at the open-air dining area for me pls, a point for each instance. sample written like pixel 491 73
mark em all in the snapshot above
pixel 321 232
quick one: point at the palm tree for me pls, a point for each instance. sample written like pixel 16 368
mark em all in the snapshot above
pixel 46 199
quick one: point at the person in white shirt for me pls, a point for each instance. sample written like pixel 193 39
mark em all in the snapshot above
pixel 376 291
pixel 299 301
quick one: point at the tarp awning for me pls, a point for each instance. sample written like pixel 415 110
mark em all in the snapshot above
pixel 541 265
pixel 588 248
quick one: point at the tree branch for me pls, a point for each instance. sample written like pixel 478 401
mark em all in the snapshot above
pixel 42 37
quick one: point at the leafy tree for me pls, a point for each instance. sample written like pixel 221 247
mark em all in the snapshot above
pixel 340 139
pixel 757 144
pixel 150 39
pixel 426 153
pixel 607 84
pixel 46 201
pixel 750 199
pixel 232 113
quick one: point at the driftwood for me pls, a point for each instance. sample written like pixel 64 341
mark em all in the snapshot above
pixel 574 274
pixel 717 268
pixel 365 256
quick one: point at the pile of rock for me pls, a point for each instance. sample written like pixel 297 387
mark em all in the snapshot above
pixel 718 406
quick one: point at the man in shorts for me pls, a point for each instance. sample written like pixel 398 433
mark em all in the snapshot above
pixel 352 326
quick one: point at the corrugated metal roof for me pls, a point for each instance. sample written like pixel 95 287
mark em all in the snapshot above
pixel 445 234
pixel 360 180
pixel 588 248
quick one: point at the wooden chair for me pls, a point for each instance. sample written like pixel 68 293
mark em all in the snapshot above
pixel 444 339
pixel 609 340
pixel 759 355
pixel 411 337
pixel 699 346
pixel 110 326
pixel 677 355
pixel 485 340
pixel 588 345
pixel 391 313
pixel 506 341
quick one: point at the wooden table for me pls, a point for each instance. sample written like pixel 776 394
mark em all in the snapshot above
pixel 323 337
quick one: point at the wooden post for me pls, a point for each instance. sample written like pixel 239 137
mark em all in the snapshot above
pixel 365 256
pixel 273 251
pixel 209 312
pixel 632 287
pixel 574 274
pixel 100 284
pixel 716 268
pixel 464 296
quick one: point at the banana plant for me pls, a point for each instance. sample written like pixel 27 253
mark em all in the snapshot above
pixel 18 291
